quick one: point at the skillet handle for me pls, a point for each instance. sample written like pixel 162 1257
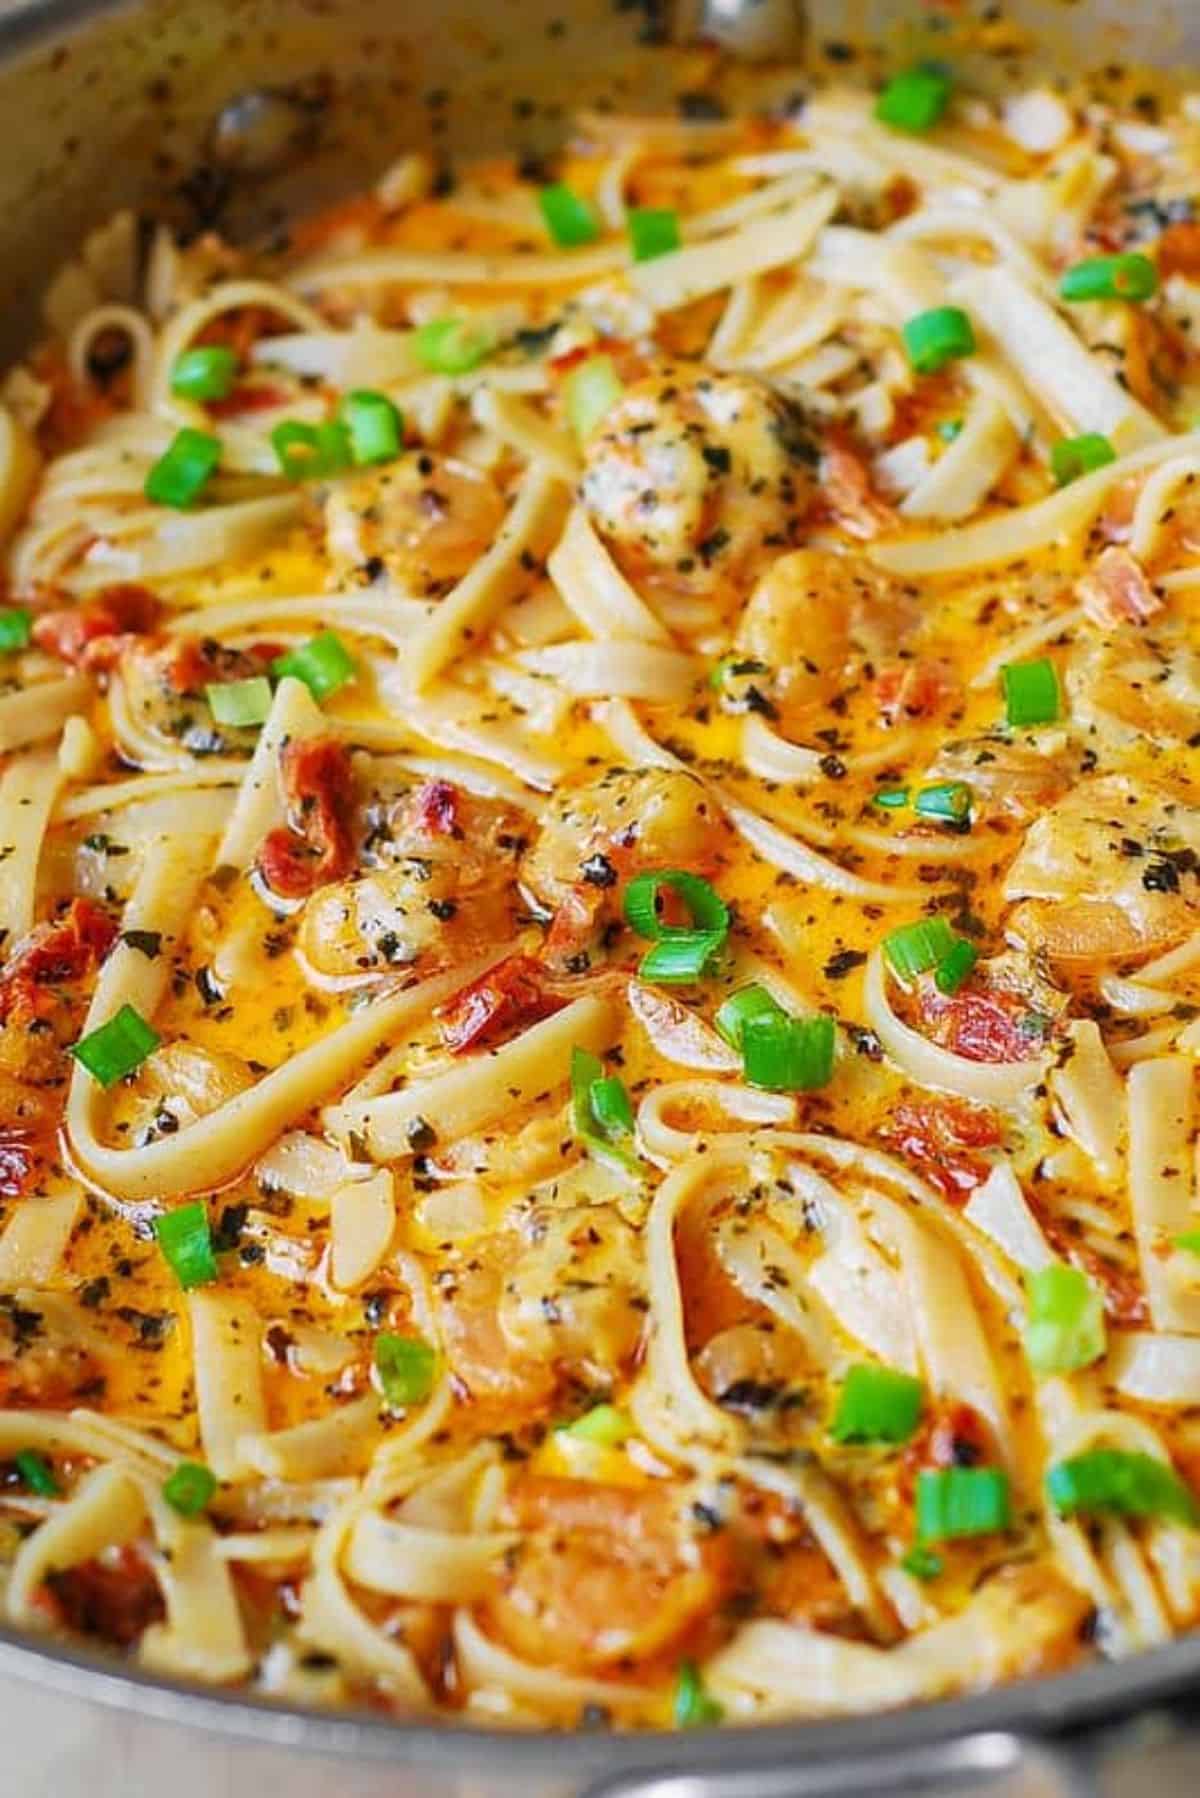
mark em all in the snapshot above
pixel 1155 1756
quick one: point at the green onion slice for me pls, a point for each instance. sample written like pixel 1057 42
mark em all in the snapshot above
pixel 934 338
pixel 603 1424
pixel 37 1473
pixel 1065 1326
pixel 791 1055
pixel 183 471
pixel 590 392
pixel 569 218
pixel 310 452
pixel 916 948
pixel 1190 1240
pixel 1129 276
pixel 890 799
pixel 453 346
pixel 323 663
pixel 706 909
pixel 949 800
pixel 877 1404
pixel 16 629
pixel 239 703
pixel 186 1240
pixel 693 1706
pixel 190 1488
pixel 1122 1481
pixel 117 1047
pixel 1031 694
pixel 206 372
pixel 922 1563
pixel 915 99
pixel 954 1502
pixel 653 231
pixel 601 1110
pixel 682 959
pixel 955 966
pixel 1071 457
pixel 406 1366
pixel 749 1002
pixel 374 427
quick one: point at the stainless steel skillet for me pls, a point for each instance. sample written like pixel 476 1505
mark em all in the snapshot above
pixel 238 112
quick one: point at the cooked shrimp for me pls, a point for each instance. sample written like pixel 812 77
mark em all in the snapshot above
pixel 609 828
pixel 445 886
pixel 1131 685
pixel 572 1295
pixel 425 519
pixel 810 616
pixel 1010 779
pixel 604 1574
pixel 696 479
pixel 181 1082
pixel 1108 874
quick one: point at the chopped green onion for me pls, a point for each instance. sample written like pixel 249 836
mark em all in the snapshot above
pixel 37 1473
pixel 600 1110
pixel 916 948
pixel 682 958
pixel 453 346
pixel 790 1055
pixel 948 799
pixel 603 1424
pixel 16 629
pixel 706 909
pixel 1071 457
pixel 570 220
pixel 206 372
pixel 950 428
pixel 915 99
pixel 693 1707
pixel 749 1002
pixel 406 1366
pixel 189 1490
pixel 117 1047
pixel 1031 694
pixel 590 392
pixel 373 425
pixel 653 231
pixel 1190 1240
pixel 961 1501
pixel 611 1106
pixel 310 452
pixel 323 663
pixel 1065 1326
pixel 877 1404
pixel 1128 276
pixel 238 703
pixel 184 470
pixel 955 966
pixel 934 338
pixel 1120 1480
pixel 681 953
pixel 922 1563
pixel 186 1240
pixel 890 799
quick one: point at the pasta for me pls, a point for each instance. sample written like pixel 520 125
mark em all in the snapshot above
pixel 600 926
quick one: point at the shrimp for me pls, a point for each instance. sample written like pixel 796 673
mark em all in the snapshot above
pixel 605 1574
pixel 1108 874
pixel 812 614
pixel 425 520
pixel 445 886
pixel 165 685
pixel 572 1296
pixel 1131 686
pixel 696 479
pixel 1011 781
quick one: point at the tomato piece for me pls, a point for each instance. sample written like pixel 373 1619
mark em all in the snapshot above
pixel 53 955
pixel 983 1023
pixel 914 690
pixel 248 399
pixel 199 661
pixel 437 808
pixel 88 635
pixel 17 1162
pixel 317 784
pixel 941 1137
pixel 114 1599
pixel 512 993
